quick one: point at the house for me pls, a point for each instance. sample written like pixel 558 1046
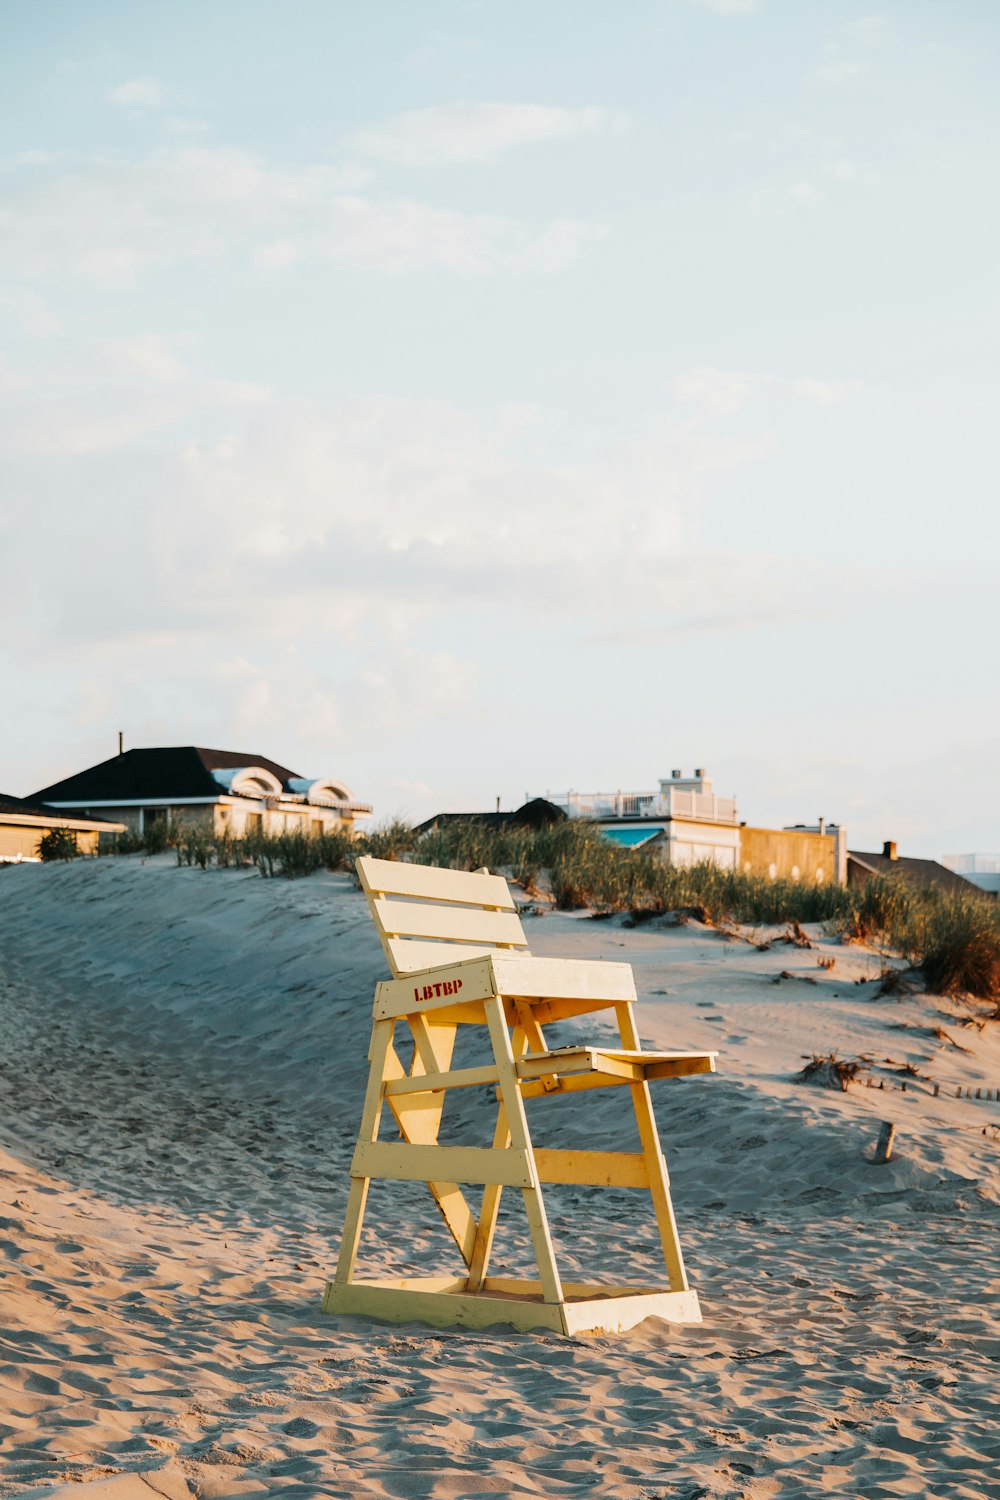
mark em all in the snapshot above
pixel 983 870
pixel 685 822
pixel 536 813
pixel 861 867
pixel 217 789
pixel 23 824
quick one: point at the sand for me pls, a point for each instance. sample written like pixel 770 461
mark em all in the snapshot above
pixel 180 1082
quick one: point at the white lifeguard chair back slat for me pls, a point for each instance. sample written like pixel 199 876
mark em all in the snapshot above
pixel 426 916
pixel 458 956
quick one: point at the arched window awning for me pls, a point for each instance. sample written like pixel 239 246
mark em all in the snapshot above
pixel 248 781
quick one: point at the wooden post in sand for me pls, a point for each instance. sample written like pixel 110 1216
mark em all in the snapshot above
pixel 883 1146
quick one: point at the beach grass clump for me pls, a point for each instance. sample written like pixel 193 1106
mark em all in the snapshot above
pixel 389 840
pixel 193 845
pixel 57 843
pixel 959 947
pixel 153 841
pixel 883 906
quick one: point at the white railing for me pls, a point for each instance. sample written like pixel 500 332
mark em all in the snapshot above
pixel 972 864
pixel 673 803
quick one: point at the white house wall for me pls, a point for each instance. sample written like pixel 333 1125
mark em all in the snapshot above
pixel 694 843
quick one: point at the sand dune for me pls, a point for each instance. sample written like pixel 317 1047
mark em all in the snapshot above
pixel 180 1082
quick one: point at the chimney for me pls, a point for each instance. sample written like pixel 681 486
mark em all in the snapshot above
pixel 699 771
pixel 121 743
pixel 677 775
pixel 822 825
pixel 889 850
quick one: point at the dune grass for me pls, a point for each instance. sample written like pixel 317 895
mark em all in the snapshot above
pixel 955 939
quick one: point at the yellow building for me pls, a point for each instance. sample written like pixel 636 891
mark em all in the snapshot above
pixel 23 824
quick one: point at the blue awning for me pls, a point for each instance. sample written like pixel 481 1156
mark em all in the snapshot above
pixel 630 838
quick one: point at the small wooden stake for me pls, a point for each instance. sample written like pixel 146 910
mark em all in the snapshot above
pixel 883 1146
pixel 937 1089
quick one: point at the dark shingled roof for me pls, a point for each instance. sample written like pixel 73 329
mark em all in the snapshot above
pixel 538 813
pixel 25 809
pixel 179 771
pixel 919 871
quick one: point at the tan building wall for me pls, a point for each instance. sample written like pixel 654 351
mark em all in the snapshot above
pixel 236 817
pixel 23 839
pixel 299 818
pixel 788 854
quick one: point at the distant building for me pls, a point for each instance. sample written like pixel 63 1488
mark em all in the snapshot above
pixel 861 867
pixel 536 813
pixel 684 820
pixel 686 823
pixel 983 870
pixel 220 789
pixel 23 824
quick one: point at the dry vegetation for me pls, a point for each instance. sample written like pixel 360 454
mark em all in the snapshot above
pixel 954 939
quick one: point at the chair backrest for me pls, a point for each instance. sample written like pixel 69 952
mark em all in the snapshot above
pixel 427 916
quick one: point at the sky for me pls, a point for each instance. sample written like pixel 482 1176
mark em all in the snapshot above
pixel 473 398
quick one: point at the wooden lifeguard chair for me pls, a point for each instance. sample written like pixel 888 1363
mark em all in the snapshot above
pixel 458 955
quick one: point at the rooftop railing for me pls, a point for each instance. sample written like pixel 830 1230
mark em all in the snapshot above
pixel 972 864
pixel 672 803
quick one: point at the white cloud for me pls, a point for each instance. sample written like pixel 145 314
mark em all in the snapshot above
pixel 111 219
pixel 804 193
pixel 825 392
pixel 479 132
pixel 869 31
pixel 334 514
pixel 34 315
pixel 729 7
pixel 139 93
pixel 838 69
pixel 726 392
pixel 721 391
pixel 112 395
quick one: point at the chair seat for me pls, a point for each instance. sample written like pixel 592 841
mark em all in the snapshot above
pixel 480 976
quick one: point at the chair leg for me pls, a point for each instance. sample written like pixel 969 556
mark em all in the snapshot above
pixel 487 1226
pixel 357 1198
pixel 520 1138
pixel 656 1166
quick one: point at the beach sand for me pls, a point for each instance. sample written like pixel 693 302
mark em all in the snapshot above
pixel 181 1077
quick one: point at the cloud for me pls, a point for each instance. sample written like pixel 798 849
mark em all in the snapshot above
pixel 720 621
pixel 720 391
pixel 112 219
pixel 869 31
pixel 464 132
pixel 729 7
pixel 727 392
pixel 334 514
pixel 114 394
pixel 825 392
pixel 839 69
pixel 31 312
pixel 139 93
